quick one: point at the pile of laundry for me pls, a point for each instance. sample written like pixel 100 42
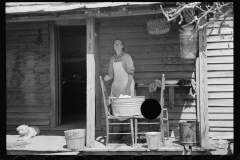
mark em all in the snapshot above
pixel 153 85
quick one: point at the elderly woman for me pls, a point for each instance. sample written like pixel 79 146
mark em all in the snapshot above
pixel 121 70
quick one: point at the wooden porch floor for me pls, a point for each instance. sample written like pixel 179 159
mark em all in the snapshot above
pixel 56 144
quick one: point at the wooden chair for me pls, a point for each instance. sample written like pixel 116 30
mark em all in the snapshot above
pixel 161 119
pixel 109 117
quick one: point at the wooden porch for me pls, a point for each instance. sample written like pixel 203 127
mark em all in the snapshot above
pixel 53 142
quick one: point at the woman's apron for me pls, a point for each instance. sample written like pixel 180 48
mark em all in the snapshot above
pixel 120 81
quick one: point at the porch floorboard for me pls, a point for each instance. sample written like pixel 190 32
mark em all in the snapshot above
pixel 48 144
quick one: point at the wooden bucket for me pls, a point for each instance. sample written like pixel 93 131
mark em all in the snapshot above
pixel 75 138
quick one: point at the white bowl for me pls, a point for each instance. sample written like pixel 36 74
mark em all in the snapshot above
pixel 172 82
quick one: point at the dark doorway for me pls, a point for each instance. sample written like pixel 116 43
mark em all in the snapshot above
pixel 73 76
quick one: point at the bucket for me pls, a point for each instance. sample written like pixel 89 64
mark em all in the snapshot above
pixel 153 140
pixel 127 106
pixel 189 132
pixel 75 138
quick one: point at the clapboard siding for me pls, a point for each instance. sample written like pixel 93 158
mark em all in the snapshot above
pixel 31 109
pixel 216 67
pixel 153 55
pixel 27 121
pixel 220 81
pixel 27 75
pixel 220 52
pixel 28 115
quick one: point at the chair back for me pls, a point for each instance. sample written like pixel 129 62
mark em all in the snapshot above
pixel 162 92
pixel 106 99
pixel 162 106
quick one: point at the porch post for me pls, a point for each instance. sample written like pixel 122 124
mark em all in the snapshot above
pixel 53 99
pixel 90 126
pixel 202 84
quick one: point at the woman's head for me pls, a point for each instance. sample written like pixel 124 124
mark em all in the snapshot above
pixel 118 45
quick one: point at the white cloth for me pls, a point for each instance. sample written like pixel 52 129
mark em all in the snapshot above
pixel 120 81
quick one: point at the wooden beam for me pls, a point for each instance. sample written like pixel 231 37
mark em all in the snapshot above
pixel 202 88
pixel 47 18
pixel 83 16
pixel 90 135
pixel 97 81
pixel 71 22
pixel 129 13
pixel 53 106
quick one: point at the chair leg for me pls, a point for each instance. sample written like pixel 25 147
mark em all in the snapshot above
pixel 167 129
pixel 112 121
pixel 132 132
pixel 136 131
pixel 107 134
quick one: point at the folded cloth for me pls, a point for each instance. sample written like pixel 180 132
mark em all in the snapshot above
pixel 158 82
pixel 150 87
pixel 153 85
pixel 193 88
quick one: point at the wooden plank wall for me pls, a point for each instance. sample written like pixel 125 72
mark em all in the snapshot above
pixel 27 75
pixel 220 80
pixel 153 55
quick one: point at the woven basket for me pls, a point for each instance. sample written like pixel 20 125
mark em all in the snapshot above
pixel 158 26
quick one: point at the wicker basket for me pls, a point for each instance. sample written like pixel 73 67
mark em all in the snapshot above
pixel 158 26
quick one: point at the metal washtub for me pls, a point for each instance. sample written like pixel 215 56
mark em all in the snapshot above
pixel 127 106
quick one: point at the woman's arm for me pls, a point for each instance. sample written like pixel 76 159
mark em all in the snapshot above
pixel 130 70
pixel 110 70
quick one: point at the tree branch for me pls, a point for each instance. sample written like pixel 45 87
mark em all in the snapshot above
pixel 216 8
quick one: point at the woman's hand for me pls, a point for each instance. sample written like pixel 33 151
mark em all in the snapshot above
pixel 106 78
pixel 127 91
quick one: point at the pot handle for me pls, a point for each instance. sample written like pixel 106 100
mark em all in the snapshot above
pixel 192 127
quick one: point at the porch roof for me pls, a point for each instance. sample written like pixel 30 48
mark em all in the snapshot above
pixel 24 7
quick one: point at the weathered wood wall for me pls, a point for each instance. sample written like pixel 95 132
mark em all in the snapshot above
pixel 27 75
pixel 153 55
pixel 220 80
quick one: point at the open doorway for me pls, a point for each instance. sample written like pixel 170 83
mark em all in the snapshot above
pixel 72 49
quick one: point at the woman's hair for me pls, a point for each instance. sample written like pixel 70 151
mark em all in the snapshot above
pixel 121 42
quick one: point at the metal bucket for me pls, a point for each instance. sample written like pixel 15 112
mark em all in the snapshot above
pixel 127 106
pixel 75 138
pixel 153 140
pixel 188 45
pixel 189 132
